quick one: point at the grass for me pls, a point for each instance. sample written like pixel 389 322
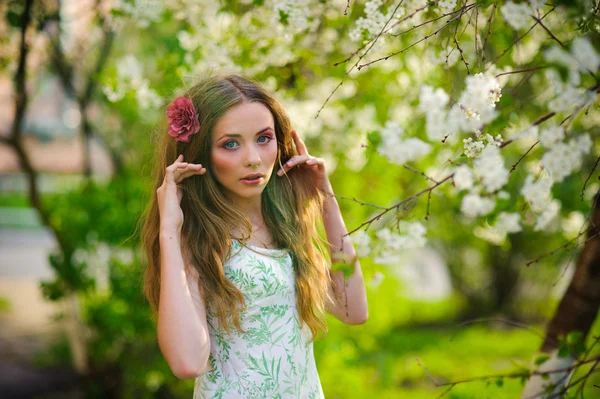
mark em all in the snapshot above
pixel 403 362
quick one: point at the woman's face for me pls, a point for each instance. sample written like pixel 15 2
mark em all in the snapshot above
pixel 244 150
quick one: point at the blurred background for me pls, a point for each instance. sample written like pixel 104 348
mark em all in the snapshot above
pixel 385 92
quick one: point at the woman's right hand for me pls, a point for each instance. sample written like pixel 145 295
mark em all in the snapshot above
pixel 169 193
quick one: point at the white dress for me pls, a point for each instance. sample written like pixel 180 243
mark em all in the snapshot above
pixel 274 359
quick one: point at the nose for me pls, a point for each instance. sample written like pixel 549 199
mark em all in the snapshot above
pixel 253 156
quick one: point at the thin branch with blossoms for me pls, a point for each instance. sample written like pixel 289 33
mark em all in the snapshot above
pixel 392 27
pixel 462 56
pixel 399 204
pixel 415 43
pixel 360 202
pixel 419 173
pixel 359 58
pixel 523 36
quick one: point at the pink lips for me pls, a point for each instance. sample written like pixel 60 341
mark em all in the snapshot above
pixel 252 179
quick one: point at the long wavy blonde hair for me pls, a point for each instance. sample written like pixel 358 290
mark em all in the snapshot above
pixel 291 209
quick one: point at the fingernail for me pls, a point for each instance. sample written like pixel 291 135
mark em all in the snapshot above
pixel 279 172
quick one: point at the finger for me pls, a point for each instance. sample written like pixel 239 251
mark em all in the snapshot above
pixel 188 173
pixel 300 146
pixel 176 165
pixel 316 161
pixel 293 161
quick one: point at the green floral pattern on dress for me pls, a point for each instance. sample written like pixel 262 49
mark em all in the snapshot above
pixel 274 359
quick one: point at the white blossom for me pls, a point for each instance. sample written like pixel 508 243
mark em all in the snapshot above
pixel 146 97
pixel 433 103
pixel 130 70
pixel 474 148
pixel 399 150
pixel 569 97
pixel 537 193
pixel 508 223
pixel 294 12
pixel 129 77
pixel 187 41
pixel 482 92
pixel 474 205
pixel 517 15
pixel 490 169
pixel 463 178
pixel 585 54
pixel 583 143
pixel 430 98
pixel 537 4
pixel 393 244
pixel 582 58
pixel 552 135
pixel 373 21
pixel 562 160
pixel 446 6
pixel 362 243
pixel 447 57
pixel 571 225
pixel 143 12
pixel 548 215
pixel 377 279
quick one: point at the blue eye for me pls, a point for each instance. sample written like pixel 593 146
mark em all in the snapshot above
pixel 226 145
pixel 266 136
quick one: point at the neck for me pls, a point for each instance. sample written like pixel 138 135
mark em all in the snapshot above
pixel 252 209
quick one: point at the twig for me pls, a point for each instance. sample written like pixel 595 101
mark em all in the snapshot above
pixel 462 56
pixel 588 178
pixel 399 204
pixel 521 70
pixel 347 7
pixel 559 248
pixel 406 48
pixel 523 156
pixel 360 202
pixel 489 23
pixel 520 38
pixel 359 58
pixel 539 21
pixel 419 173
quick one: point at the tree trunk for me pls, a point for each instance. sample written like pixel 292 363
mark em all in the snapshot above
pixel 577 309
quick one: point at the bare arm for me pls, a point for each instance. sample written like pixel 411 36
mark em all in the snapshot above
pixel 349 303
pixel 182 326
pixel 354 295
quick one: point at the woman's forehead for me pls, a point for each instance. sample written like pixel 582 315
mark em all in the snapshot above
pixel 245 119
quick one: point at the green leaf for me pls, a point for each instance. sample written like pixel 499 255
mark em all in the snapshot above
pixel 500 382
pixel 541 359
pixel 573 337
pixel 345 268
pixel 283 17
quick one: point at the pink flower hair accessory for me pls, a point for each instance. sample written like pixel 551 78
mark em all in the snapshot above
pixel 183 119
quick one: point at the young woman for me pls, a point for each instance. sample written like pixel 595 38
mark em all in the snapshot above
pixel 235 266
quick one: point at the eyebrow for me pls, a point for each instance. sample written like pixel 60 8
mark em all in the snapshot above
pixel 266 129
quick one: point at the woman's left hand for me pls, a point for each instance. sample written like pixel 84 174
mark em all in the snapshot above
pixel 315 165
